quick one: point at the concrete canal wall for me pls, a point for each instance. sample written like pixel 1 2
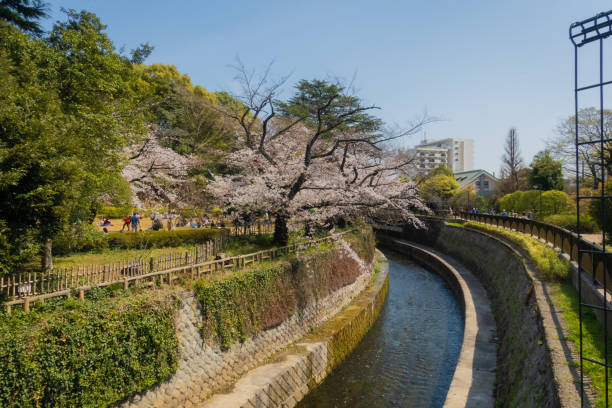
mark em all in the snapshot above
pixel 533 367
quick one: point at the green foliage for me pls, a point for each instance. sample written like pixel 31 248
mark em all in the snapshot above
pixel 330 106
pixel 116 212
pixel 87 238
pixel 87 354
pixel 548 263
pixel 64 121
pixel 546 172
pixel 241 305
pixel 553 202
pixel 160 239
pixel 593 339
pixel 568 221
pixel 245 244
pixel 468 198
pixel 363 242
pixel 79 238
pixel 191 118
pixel 23 14
pixel 595 209
pixel 438 187
pixel 233 307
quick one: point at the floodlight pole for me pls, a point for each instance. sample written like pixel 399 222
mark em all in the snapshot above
pixel 596 28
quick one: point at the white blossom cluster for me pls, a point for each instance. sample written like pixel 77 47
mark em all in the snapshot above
pixel 312 178
pixel 154 172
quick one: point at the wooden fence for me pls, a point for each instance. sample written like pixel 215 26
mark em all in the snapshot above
pixel 594 261
pixel 29 287
pixel 258 227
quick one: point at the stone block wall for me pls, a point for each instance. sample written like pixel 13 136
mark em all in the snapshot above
pixel 206 368
pixel 286 380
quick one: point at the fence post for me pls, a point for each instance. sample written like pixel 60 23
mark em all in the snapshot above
pixel 125 284
pixel 151 264
pixel 26 305
pixel 82 294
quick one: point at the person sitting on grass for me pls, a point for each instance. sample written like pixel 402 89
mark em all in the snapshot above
pixel 105 222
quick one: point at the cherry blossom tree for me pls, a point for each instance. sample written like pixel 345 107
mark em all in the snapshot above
pixel 154 172
pixel 317 156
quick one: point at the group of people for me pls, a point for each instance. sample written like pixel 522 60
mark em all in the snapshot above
pixel 526 215
pixel 131 222
pixel 246 221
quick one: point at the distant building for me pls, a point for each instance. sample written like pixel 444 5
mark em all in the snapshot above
pixel 484 182
pixel 456 154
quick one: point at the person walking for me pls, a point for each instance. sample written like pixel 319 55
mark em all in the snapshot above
pixel 126 223
pixel 135 221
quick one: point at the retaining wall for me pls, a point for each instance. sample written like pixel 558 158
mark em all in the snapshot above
pixel 524 364
pixel 292 373
pixel 206 368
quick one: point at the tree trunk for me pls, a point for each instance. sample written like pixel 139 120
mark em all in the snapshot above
pixel 281 232
pixel 47 258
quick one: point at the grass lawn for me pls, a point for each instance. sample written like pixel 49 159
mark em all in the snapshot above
pixel 236 246
pixel 114 255
pixel 565 297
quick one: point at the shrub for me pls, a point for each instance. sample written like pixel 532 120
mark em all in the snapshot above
pixel 160 239
pixel 548 263
pixel 79 238
pixel 244 304
pixel 553 202
pixel 87 354
pixel 116 212
pixel 87 238
pixel 568 221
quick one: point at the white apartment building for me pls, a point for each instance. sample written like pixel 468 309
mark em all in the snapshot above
pixel 456 154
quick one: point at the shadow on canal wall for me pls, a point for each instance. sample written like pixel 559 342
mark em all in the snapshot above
pixel 524 365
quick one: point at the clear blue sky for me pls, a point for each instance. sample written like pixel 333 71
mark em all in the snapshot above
pixel 484 66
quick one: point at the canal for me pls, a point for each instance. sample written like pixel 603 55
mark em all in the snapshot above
pixel 408 357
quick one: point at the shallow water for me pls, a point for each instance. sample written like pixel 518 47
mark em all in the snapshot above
pixel 408 357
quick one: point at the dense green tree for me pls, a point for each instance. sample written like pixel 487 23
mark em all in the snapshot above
pixel 437 186
pixel 67 113
pixel 23 14
pixel 546 173
pixel 141 53
pixel 553 202
pixel 437 190
pixel 596 208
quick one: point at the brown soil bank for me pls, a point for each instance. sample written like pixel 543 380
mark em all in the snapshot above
pixel 524 375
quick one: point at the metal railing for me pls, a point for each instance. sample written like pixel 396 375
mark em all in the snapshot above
pixel 593 260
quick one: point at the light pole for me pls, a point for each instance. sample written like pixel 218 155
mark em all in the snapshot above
pixel 539 188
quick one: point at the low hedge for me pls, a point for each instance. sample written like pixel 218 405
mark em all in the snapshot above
pixel 86 239
pixel 87 354
pixel 548 262
pixel 568 221
pixel 244 304
pixel 160 239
